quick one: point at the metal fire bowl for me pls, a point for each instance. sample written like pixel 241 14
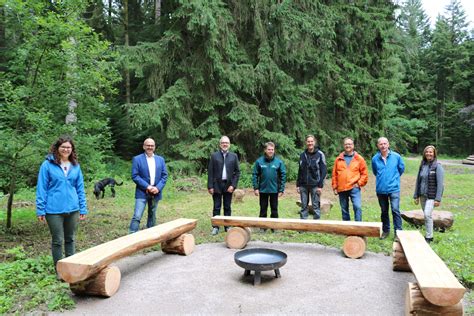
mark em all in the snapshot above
pixel 260 259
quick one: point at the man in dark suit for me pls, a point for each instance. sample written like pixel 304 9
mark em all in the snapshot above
pixel 150 175
pixel 222 178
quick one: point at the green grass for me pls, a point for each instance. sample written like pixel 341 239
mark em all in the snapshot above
pixel 109 218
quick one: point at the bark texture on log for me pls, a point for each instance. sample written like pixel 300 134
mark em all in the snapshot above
pixel 237 237
pixel 367 229
pixel 89 262
pixel 354 246
pixel 441 219
pixel 183 245
pixel 400 262
pixel 416 304
pixel 105 283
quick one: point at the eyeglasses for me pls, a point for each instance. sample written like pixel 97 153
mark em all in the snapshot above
pixel 65 147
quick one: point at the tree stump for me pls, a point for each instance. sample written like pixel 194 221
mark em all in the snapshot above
pixel 237 237
pixel 325 206
pixel 354 246
pixel 183 245
pixel 238 195
pixel 441 219
pixel 400 262
pixel 105 283
pixel 416 304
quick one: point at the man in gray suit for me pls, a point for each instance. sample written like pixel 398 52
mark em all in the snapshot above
pixel 222 178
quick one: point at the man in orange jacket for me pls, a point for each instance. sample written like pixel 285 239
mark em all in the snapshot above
pixel 349 175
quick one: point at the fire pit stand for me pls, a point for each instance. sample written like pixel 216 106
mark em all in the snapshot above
pixel 260 259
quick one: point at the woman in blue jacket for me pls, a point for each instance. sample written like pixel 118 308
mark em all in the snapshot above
pixel 60 196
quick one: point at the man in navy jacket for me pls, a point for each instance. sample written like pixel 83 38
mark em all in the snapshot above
pixel 387 167
pixel 150 175
pixel 222 177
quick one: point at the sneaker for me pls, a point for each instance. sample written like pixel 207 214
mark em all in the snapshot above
pixel 428 240
pixel 384 235
pixel 226 229
pixel 263 230
pixel 215 231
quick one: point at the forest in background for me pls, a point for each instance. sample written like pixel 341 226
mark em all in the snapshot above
pixel 185 72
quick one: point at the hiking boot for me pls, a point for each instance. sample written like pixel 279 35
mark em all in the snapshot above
pixel 384 235
pixel 215 231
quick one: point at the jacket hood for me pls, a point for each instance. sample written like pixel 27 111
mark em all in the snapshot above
pixel 316 149
pixel 341 155
pixel 50 157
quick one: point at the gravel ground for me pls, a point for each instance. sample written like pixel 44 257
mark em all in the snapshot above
pixel 315 280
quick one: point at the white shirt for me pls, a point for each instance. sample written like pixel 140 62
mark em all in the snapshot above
pixel 151 168
pixel 224 172
pixel 65 166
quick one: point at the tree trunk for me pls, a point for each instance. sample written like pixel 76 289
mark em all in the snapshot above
pixel 105 283
pixel 157 11
pixel 3 43
pixel 127 44
pixel 183 245
pixel 11 193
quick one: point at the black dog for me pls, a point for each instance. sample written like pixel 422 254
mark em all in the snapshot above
pixel 100 187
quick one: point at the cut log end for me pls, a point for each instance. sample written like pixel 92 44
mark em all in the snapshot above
pixel 417 304
pixel 354 246
pixel 237 237
pixel 183 245
pixel 105 283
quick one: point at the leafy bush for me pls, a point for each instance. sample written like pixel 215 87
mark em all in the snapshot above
pixel 27 284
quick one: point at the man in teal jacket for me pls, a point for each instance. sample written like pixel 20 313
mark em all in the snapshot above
pixel 268 179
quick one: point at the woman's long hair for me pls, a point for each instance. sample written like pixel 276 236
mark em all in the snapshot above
pixel 54 150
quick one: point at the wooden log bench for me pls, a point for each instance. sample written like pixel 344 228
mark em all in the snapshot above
pixel 89 271
pixel 354 245
pixel 437 291
pixel 442 220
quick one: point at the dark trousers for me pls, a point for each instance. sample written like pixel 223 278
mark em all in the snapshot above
pixel 219 198
pixel 63 228
pixel 264 198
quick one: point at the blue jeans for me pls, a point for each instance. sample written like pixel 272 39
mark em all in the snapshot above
pixel 394 199
pixel 140 205
pixel 304 195
pixel 354 195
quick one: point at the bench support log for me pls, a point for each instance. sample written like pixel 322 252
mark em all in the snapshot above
pixel 400 262
pixel 182 245
pixel 354 246
pixel 237 237
pixel 105 283
pixel 437 283
pixel 416 304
